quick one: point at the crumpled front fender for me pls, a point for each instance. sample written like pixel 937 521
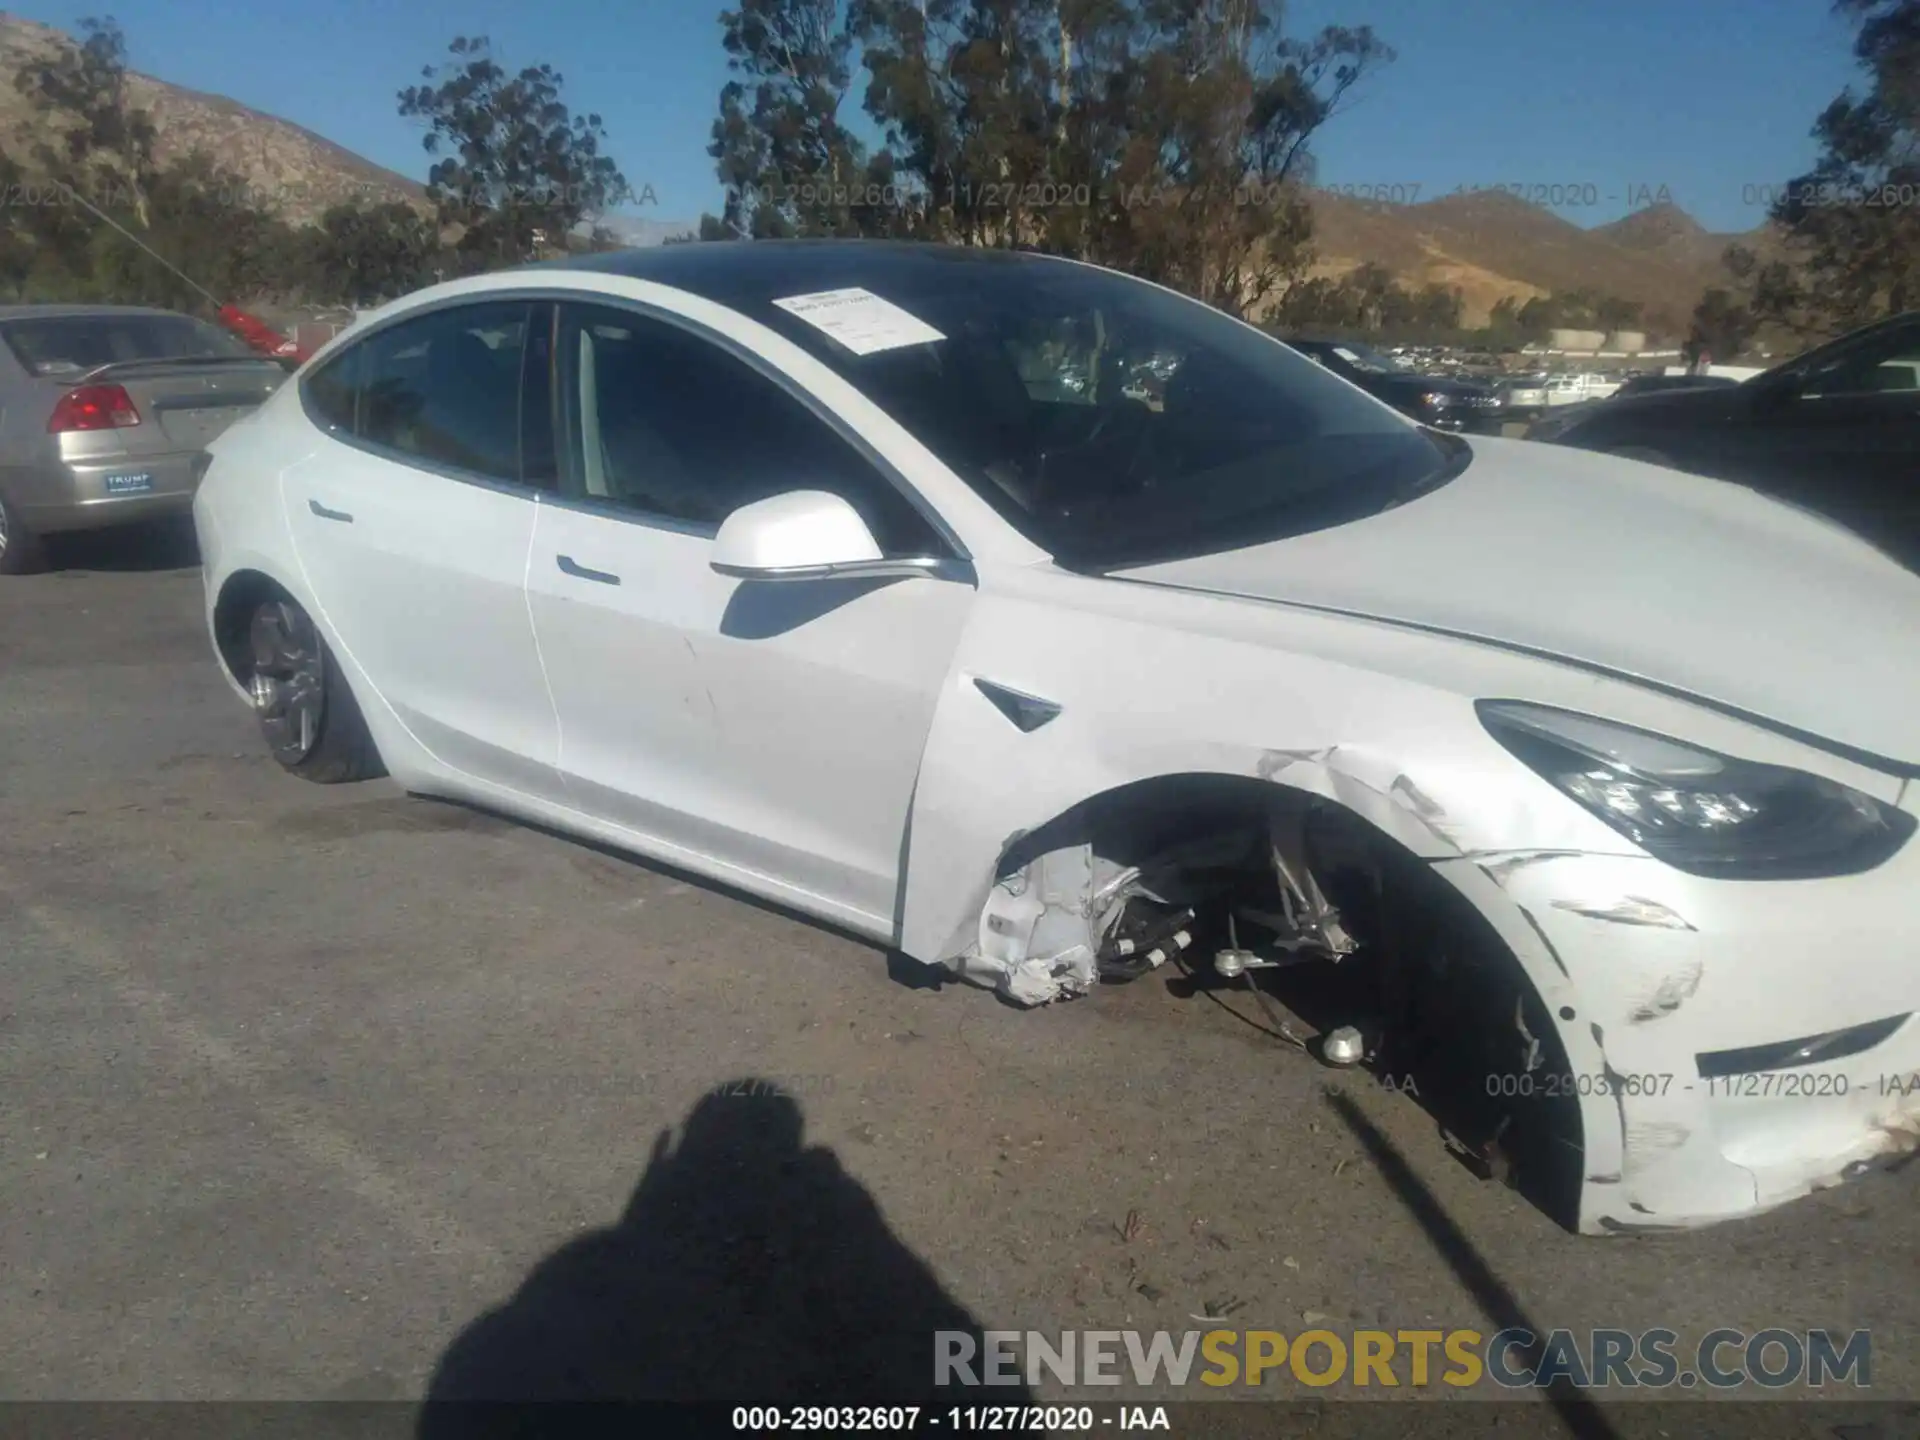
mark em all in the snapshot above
pixel 1141 699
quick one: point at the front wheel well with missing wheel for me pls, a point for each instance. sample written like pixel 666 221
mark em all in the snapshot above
pixel 1343 925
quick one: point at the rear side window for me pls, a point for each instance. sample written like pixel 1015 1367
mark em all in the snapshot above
pixel 60 346
pixel 446 388
pixel 467 387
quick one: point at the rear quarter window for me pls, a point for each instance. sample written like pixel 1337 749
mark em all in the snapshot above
pixel 333 390
pixel 444 387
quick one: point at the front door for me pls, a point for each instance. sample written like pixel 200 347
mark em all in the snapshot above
pixel 773 729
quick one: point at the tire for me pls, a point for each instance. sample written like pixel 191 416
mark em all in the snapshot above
pixel 307 715
pixel 21 551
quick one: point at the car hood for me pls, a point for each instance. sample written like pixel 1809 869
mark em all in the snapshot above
pixel 1692 585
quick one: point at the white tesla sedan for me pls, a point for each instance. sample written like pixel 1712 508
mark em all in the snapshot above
pixel 1044 624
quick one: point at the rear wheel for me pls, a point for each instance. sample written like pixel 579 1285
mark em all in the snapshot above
pixel 21 551
pixel 307 714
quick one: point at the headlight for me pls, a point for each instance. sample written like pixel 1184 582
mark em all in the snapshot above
pixel 1436 400
pixel 1703 813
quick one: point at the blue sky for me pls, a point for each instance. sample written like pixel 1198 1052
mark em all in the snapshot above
pixel 1609 99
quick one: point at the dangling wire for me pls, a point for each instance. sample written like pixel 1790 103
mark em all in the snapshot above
pixel 171 268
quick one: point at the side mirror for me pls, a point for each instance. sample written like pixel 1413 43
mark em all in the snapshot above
pixel 803 535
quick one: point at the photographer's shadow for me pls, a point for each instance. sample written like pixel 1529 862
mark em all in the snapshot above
pixel 748 1268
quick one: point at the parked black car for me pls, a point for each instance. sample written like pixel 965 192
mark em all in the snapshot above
pixel 1442 403
pixel 1836 430
pixel 1649 384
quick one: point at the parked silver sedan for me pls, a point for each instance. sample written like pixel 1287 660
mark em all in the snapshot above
pixel 105 413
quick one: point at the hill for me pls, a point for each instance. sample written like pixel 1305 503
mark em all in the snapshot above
pixel 1491 244
pixel 288 169
pixel 284 167
pixel 641 233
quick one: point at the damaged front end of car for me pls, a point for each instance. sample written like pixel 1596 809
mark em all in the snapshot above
pixel 1547 913
pixel 1058 921
pixel 1352 948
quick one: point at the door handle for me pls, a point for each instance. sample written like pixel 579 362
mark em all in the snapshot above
pixel 570 566
pixel 325 514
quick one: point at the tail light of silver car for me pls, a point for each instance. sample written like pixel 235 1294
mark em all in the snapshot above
pixel 93 407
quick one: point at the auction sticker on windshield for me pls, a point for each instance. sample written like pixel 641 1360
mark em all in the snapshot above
pixel 860 320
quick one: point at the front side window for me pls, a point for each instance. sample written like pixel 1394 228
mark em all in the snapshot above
pixel 1112 422
pixel 664 423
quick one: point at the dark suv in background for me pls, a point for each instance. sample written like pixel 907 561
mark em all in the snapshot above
pixel 1836 430
pixel 1653 384
pixel 1444 403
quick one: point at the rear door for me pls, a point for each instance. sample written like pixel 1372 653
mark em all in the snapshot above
pixel 776 728
pixel 412 521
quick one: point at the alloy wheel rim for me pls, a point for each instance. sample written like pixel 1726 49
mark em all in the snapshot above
pixel 288 681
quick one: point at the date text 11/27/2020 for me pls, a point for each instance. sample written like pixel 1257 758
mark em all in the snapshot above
pixel 1754 1084
pixel 917 1419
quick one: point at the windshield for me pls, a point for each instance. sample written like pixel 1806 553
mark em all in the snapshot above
pixel 1114 423
pixel 62 345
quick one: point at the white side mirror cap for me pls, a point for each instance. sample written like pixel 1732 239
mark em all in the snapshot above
pixel 801 535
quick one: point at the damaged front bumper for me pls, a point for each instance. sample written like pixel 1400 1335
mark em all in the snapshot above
pixel 1732 1045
